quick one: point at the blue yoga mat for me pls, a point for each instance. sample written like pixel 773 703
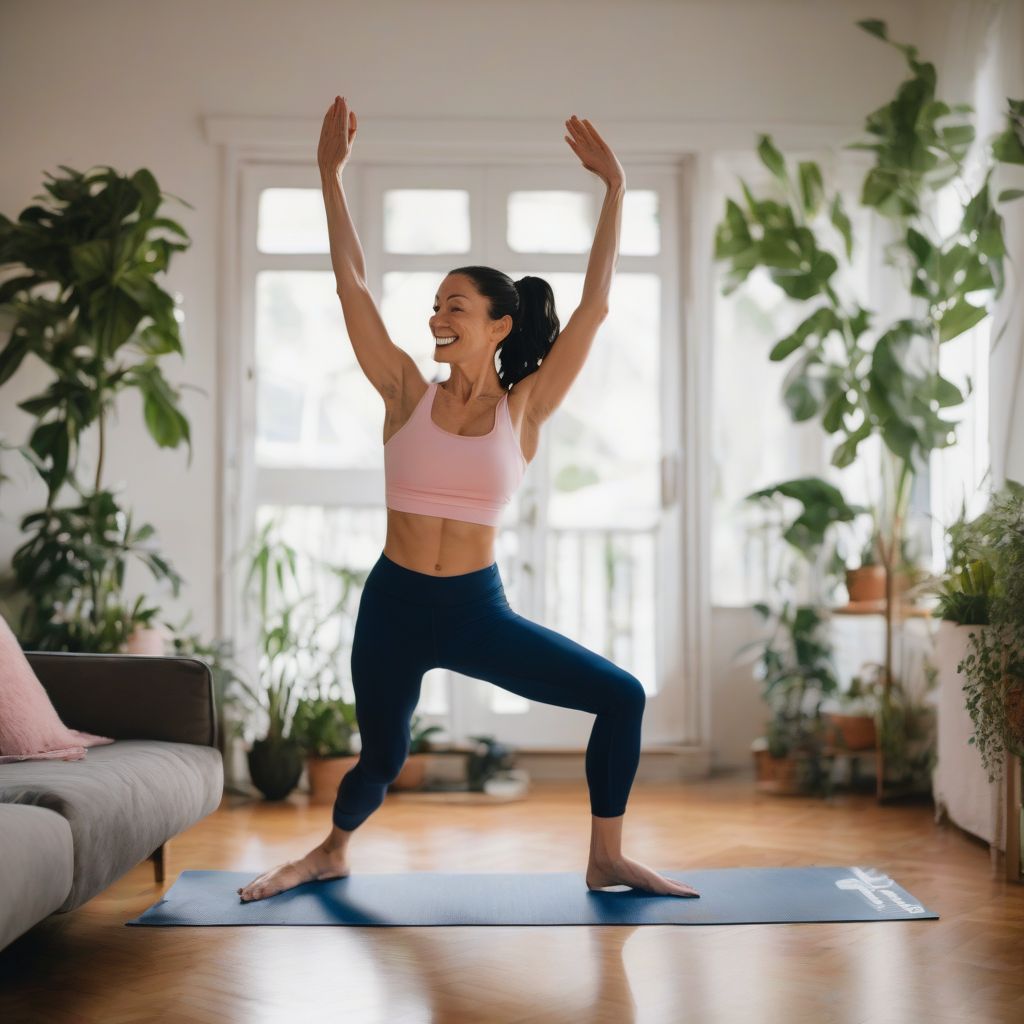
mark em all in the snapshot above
pixel 728 896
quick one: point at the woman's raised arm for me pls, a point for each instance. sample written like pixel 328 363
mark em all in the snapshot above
pixel 383 362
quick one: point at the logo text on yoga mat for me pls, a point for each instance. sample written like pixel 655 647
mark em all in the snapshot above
pixel 877 889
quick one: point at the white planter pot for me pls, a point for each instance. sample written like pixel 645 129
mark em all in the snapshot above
pixel 960 785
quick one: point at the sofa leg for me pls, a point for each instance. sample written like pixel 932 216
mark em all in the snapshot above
pixel 157 857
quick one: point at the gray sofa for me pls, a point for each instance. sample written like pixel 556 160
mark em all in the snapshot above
pixel 70 828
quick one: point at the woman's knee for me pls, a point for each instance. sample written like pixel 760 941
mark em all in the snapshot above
pixel 627 693
pixel 380 767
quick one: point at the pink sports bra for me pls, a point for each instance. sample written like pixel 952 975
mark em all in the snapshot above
pixel 434 472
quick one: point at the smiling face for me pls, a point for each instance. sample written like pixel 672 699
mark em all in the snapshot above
pixel 460 312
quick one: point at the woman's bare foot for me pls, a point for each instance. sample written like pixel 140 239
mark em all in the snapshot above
pixel 319 864
pixel 623 871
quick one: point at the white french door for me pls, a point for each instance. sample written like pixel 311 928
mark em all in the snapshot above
pixel 590 545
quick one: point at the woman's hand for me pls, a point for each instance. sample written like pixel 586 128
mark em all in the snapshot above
pixel 594 152
pixel 336 135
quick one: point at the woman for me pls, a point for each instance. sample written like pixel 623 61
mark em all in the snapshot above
pixel 454 453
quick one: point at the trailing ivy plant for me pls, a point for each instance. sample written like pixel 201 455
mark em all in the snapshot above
pixel 994 664
pixel 85 301
pixel 860 378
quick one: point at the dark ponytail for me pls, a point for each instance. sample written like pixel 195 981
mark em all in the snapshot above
pixel 531 304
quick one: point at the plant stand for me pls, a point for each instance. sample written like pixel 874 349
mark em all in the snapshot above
pixel 901 611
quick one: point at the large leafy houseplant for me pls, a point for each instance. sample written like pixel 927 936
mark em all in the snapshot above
pixel 85 300
pixel 858 379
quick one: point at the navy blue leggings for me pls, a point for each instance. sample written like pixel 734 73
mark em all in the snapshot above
pixel 409 622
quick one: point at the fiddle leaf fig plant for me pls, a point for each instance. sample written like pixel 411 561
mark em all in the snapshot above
pixel 858 376
pixel 85 301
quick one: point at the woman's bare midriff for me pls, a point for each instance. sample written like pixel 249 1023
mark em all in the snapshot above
pixel 451 547
pixel 440 547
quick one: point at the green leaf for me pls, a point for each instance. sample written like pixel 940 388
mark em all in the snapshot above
pixel 874 27
pixel 961 316
pixel 812 189
pixel 841 222
pixel 12 355
pixel 92 260
pixel 772 158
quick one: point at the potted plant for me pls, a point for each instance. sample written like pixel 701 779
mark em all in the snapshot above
pixel 89 306
pixel 414 771
pixel 852 727
pixel 866 582
pixel 797 674
pixel 295 662
pixel 823 509
pixel 863 381
pixel 323 727
pixel 488 760
pixel 275 758
pixel 993 666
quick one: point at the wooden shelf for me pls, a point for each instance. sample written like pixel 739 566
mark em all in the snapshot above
pixel 878 608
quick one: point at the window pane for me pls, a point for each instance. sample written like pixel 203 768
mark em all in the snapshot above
pixel 426 220
pixel 561 221
pixel 292 220
pixel 550 221
pixel 314 404
pixel 604 503
pixel 748 387
pixel 641 227
pixel 605 436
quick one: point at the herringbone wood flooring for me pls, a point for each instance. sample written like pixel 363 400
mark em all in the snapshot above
pixel 87 967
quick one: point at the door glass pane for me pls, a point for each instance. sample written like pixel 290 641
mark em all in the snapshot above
pixel 604 450
pixel 605 436
pixel 426 220
pixel 292 220
pixel 314 405
pixel 562 221
pixel 641 226
pixel 550 221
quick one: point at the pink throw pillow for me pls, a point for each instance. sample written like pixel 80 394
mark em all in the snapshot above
pixel 30 728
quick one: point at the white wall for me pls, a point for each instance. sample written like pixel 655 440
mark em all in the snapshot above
pixel 126 84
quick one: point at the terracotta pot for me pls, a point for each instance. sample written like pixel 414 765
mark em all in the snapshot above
pixel 325 775
pixel 866 583
pixel 853 732
pixel 150 640
pixel 780 775
pixel 413 773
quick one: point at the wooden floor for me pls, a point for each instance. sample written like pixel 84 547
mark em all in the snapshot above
pixel 88 967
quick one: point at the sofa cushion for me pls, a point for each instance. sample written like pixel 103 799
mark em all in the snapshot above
pixel 30 728
pixel 36 867
pixel 121 802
